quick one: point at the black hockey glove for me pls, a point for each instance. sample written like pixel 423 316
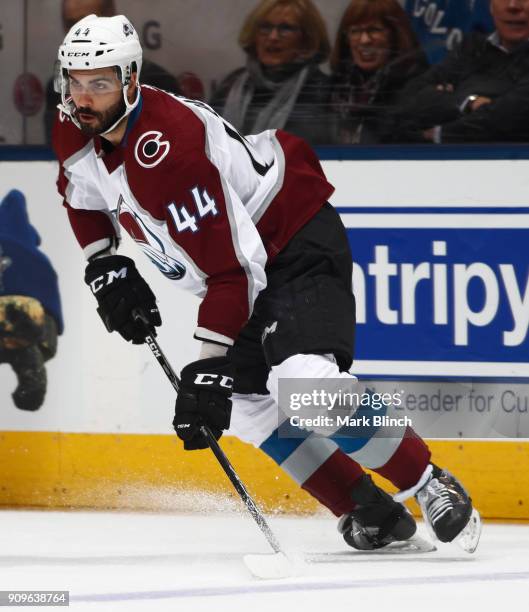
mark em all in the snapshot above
pixel 119 290
pixel 203 399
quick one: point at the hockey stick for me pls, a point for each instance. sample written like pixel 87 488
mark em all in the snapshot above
pixel 262 566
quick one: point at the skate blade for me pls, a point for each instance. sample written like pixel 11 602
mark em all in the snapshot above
pixel 415 545
pixel 468 539
pixel 269 566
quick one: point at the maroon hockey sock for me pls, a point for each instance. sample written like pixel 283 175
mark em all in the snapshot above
pixel 332 482
pixel 408 462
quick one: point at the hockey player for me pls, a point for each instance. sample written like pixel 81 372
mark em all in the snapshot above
pixel 244 223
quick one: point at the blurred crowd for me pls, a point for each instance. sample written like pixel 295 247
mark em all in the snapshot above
pixel 419 71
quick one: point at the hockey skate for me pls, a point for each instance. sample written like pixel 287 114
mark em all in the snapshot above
pixel 447 510
pixel 377 520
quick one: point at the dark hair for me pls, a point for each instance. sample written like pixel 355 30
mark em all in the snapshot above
pixel 107 8
pixel 390 13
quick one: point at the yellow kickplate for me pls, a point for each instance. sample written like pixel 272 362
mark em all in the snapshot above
pixel 153 472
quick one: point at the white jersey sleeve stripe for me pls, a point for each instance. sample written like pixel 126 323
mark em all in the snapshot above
pixel 279 167
pixel 247 243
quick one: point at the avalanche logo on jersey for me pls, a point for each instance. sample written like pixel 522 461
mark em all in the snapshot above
pixel 150 150
pixel 149 242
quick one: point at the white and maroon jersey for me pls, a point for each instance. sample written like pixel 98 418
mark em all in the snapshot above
pixel 207 206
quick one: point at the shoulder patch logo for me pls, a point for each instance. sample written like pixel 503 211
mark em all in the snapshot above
pixel 150 150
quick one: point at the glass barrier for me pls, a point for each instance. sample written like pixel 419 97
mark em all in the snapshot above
pixel 336 73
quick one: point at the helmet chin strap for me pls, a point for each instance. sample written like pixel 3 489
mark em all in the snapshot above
pixel 67 107
pixel 129 107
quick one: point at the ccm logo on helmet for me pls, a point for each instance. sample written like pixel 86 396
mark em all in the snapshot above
pixel 78 54
pixel 150 150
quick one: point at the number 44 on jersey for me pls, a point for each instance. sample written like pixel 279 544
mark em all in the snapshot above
pixel 184 220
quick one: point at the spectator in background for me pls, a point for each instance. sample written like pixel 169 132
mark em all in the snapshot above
pixel 375 54
pixel 72 12
pixel 30 304
pixel 441 24
pixel 479 93
pixel 281 85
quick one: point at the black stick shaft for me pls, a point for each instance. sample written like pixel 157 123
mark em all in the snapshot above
pixel 240 488
pixel 229 470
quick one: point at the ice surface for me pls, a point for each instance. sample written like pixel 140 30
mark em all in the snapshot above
pixel 158 562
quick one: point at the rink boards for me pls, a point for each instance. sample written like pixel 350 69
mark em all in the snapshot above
pixel 153 472
pixel 103 437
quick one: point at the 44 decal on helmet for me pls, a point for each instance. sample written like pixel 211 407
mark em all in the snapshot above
pixel 80 31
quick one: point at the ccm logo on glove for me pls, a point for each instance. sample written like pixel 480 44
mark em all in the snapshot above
pixel 98 283
pixel 211 379
pixel 203 399
pixel 121 292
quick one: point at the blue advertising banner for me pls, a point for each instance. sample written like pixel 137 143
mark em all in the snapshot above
pixel 441 292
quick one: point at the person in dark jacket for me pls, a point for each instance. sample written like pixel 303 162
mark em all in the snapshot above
pixel 30 304
pixel 441 24
pixel 375 54
pixel 479 93
pixel 281 85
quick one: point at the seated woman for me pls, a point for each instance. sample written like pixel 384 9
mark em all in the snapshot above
pixel 281 85
pixel 375 54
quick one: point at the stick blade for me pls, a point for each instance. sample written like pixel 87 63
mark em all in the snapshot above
pixel 269 566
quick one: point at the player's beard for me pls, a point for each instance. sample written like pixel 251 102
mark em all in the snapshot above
pixel 105 119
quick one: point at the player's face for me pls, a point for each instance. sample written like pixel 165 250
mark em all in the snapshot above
pixel 369 44
pixel 511 18
pixel 279 37
pixel 98 98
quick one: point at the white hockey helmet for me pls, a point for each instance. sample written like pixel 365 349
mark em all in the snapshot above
pixel 100 42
